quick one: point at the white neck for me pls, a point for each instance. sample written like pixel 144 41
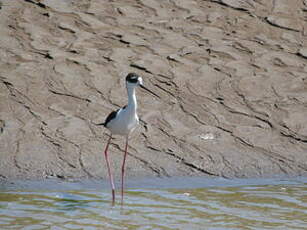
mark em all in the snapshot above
pixel 132 104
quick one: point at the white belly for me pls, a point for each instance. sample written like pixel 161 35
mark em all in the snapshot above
pixel 124 123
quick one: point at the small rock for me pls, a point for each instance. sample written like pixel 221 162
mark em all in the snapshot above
pixel 284 23
pixel 207 136
pixel 303 52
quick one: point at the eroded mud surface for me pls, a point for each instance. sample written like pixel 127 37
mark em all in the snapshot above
pixel 232 76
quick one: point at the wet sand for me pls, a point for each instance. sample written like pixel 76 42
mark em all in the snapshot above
pixel 232 77
pixel 155 183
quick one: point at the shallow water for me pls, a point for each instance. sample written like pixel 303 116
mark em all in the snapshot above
pixel 182 203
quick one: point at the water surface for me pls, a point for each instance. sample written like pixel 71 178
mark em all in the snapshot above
pixel 180 203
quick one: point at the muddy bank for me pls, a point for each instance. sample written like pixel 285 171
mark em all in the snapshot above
pixel 232 76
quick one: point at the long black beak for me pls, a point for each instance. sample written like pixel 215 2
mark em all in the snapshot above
pixel 143 87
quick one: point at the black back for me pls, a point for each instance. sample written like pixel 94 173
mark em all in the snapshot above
pixel 132 78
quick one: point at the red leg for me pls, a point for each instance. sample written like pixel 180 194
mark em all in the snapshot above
pixel 123 169
pixel 109 170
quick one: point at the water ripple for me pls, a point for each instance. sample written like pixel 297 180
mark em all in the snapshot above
pixel 239 207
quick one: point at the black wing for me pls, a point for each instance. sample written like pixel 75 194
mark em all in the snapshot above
pixel 110 117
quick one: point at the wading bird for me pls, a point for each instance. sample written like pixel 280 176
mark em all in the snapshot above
pixel 122 122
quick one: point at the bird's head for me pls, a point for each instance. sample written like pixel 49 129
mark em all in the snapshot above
pixel 134 80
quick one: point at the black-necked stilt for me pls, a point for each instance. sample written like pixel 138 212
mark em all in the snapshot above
pixel 123 122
